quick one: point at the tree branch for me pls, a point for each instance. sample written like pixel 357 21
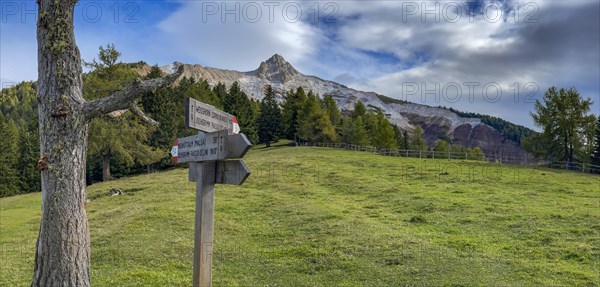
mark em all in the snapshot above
pixel 137 112
pixel 146 119
pixel 127 97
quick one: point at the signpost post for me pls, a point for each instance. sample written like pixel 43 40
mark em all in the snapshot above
pixel 208 154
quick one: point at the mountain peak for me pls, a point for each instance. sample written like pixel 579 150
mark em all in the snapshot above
pixel 276 59
pixel 276 69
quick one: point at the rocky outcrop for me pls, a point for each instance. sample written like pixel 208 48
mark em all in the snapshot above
pixel 275 69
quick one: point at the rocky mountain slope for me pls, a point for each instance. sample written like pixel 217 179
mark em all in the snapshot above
pixel 437 122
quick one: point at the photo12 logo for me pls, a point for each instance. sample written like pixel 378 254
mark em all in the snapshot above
pixel 88 11
pixel 271 11
pixel 453 12
pixel 454 92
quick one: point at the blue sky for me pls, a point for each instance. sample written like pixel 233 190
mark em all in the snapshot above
pixel 456 53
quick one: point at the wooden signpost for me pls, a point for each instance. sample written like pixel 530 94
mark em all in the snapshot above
pixel 208 154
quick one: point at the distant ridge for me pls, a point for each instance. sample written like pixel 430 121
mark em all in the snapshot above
pixel 466 129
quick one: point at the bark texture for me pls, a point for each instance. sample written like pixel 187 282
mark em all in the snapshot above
pixel 63 247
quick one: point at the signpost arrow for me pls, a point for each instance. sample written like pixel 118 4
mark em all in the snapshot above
pixel 231 172
pixel 226 172
pixel 237 146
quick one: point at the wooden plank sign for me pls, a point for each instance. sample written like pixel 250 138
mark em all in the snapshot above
pixel 210 147
pixel 207 118
pixel 226 172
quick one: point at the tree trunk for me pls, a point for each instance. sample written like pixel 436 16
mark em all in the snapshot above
pixel 63 246
pixel 106 167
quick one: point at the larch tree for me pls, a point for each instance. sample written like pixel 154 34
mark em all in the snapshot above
pixel 563 116
pixel 332 110
pixel 359 110
pixel 417 141
pixel 442 146
pixel 62 255
pixel 385 137
pixel 121 137
pixel 358 133
pixel 314 124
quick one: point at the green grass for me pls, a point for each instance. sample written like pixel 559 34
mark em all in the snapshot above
pixel 328 217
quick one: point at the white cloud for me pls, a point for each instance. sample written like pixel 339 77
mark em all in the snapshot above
pixel 560 47
pixel 215 38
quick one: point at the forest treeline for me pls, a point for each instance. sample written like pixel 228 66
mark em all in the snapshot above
pixel 120 144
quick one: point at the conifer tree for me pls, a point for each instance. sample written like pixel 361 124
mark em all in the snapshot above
pixel 442 147
pixel 9 180
pixel 29 150
pixel 345 129
pixel 596 152
pixel 405 144
pixel 385 137
pixel 469 152
pixel 456 149
pixel 563 116
pixel 332 110
pixel 238 104
pixel 18 104
pixel 359 110
pixel 477 154
pixel 165 105
pixel 269 121
pixel 220 92
pixel 155 73
pixel 292 105
pixel 358 133
pixel 371 124
pixel 418 140
pixel 397 135
pixel 313 122
pixel 122 138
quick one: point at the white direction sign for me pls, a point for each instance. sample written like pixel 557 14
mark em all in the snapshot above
pixel 210 147
pixel 207 118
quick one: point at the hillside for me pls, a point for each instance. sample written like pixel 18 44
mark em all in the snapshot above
pixel 464 129
pixel 326 217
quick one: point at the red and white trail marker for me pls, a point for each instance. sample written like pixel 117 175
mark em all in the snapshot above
pixel 236 126
pixel 175 151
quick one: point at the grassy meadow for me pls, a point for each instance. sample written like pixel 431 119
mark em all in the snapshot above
pixel 328 217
